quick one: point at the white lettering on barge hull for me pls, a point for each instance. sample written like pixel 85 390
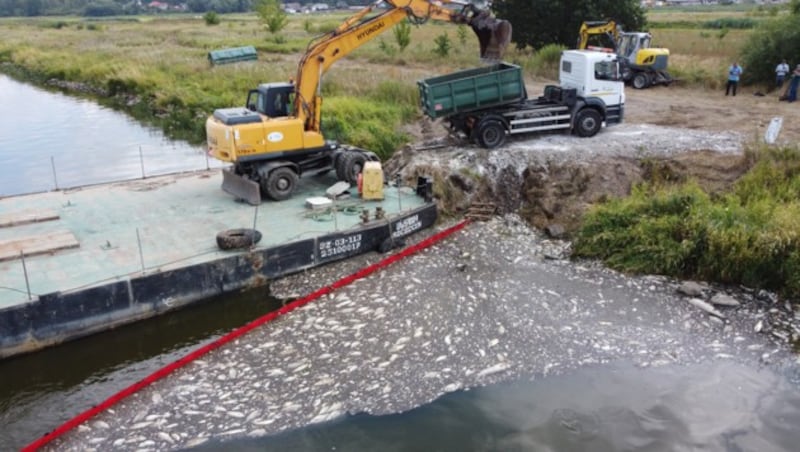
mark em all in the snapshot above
pixel 407 226
pixel 342 245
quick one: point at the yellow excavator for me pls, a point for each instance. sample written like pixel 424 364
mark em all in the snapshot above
pixel 641 65
pixel 276 138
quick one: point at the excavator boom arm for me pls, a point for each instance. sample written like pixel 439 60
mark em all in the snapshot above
pixel 494 35
pixel 601 27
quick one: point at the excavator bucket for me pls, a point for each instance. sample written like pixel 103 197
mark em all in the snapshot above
pixel 494 35
pixel 241 187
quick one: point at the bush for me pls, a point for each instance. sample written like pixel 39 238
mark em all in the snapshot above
pixel 402 34
pixel 772 41
pixel 442 45
pixel 730 22
pixel 750 236
pixel 211 18
pixel 364 122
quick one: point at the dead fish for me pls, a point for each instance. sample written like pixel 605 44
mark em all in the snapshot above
pixel 493 370
pixel 698 303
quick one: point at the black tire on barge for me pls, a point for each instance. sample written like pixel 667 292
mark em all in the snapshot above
pixel 232 239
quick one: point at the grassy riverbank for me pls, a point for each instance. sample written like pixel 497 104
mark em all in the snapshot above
pixel 749 236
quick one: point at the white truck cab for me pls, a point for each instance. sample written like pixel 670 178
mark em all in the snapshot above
pixel 592 74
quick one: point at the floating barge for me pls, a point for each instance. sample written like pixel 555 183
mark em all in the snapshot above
pixel 85 260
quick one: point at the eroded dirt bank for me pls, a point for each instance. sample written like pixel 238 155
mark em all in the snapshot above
pixel 669 133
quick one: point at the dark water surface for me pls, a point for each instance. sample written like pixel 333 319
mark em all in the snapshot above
pixel 42 390
pixel 719 406
pixel 85 142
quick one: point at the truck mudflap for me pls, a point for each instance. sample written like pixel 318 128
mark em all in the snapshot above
pixel 241 187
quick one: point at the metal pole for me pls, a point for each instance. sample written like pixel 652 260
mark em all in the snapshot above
pixel 208 166
pixel 25 271
pixel 53 165
pixel 398 179
pixel 255 221
pixel 335 217
pixel 141 160
pixel 141 255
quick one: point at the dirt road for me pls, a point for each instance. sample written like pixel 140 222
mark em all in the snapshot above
pixel 693 108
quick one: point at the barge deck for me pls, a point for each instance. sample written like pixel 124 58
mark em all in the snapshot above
pixel 85 260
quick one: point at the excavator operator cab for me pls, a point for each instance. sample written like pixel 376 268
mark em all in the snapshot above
pixel 272 99
pixel 630 43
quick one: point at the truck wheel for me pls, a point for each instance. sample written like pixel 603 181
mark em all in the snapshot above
pixel 641 80
pixel 353 164
pixel 491 134
pixel 588 122
pixel 281 183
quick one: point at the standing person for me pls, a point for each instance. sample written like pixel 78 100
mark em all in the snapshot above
pixel 733 78
pixel 791 95
pixel 780 73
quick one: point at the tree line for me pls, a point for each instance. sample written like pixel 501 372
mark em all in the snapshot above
pixel 94 8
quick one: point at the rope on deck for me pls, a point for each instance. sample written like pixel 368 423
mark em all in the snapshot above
pixel 235 334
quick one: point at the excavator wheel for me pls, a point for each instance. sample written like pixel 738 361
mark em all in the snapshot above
pixel 641 80
pixel 338 165
pixel 280 183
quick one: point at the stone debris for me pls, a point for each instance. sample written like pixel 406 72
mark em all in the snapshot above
pixel 422 328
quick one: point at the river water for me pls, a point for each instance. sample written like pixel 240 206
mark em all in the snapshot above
pixel 726 406
pixel 49 140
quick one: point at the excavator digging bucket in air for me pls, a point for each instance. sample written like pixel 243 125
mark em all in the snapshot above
pixel 494 35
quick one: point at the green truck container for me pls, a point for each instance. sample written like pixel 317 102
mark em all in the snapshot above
pixel 232 55
pixel 471 89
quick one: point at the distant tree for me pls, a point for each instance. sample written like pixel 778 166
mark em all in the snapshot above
pixel 102 8
pixel 271 14
pixel 198 6
pixel 536 23
pixel 772 41
pixel 442 45
pixel 402 34
pixel 33 7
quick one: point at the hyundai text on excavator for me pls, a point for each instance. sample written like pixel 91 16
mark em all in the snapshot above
pixel 277 137
pixel 641 65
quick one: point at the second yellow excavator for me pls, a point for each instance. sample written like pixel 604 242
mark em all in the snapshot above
pixel 277 137
pixel 641 65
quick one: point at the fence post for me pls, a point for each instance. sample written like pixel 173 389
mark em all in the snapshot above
pixel 141 254
pixel 25 272
pixel 53 165
pixel 141 161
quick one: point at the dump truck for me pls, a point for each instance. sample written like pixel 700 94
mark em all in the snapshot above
pixel 488 103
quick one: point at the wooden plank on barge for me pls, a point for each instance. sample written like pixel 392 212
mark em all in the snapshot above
pixel 37 244
pixel 8 220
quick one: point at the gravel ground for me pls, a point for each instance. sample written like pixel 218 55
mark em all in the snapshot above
pixel 495 302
